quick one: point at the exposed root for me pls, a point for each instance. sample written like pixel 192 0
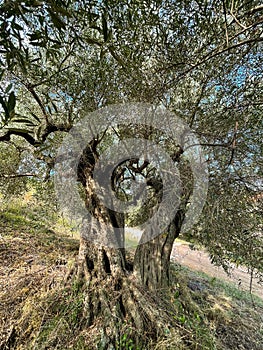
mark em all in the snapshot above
pixel 125 308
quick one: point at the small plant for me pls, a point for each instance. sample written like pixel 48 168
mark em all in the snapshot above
pixel 126 343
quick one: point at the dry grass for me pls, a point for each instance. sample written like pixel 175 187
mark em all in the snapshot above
pixel 34 257
pixel 38 312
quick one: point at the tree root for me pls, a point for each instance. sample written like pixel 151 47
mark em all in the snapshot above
pixel 118 310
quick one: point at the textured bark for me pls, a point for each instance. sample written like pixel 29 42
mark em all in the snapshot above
pixel 152 259
pixel 117 303
pixel 118 300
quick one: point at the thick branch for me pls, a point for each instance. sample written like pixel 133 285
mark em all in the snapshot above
pixel 53 128
pixel 30 139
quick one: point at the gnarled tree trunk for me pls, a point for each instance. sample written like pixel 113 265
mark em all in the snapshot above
pixel 119 300
pixel 116 302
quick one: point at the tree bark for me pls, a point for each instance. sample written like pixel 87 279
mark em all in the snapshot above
pixel 118 300
pixel 152 259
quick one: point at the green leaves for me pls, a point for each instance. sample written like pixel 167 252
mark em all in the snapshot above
pixel 57 21
pixel 19 131
pixel 17 26
pixel 8 105
pixel 107 32
pixel 27 26
pixel 8 88
pixel 35 117
pixel 4 105
pixel 58 15
pixel 104 27
pixel 10 116
pixel 25 121
pixel 36 35
pixel 11 102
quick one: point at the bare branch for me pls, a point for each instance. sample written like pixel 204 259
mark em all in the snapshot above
pixel 224 7
pixel 12 176
pixel 233 144
pixel 38 100
pixel 49 78
pixel 27 137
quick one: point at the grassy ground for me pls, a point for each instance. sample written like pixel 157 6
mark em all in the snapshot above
pixel 38 312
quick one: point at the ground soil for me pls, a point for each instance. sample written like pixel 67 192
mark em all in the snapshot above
pixel 199 260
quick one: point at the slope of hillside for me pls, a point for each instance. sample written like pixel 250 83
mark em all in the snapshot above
pixel 37 311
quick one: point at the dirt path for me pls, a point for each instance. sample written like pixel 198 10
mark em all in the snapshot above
pixel 199 261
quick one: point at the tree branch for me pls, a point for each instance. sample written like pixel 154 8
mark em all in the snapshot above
pixel 220 50
pixel 30 139
pixel 39 102
pixel 50 128
pixel 224 7
pixel 203 87
pixel 49 78
pixel 244 42
pixel 27 137
pixel 233 144
pixel 253 10
pixel 11 176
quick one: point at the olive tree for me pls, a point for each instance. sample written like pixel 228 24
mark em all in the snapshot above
pixel 198 59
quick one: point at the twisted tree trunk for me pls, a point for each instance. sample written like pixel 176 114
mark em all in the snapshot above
pixel 118 299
